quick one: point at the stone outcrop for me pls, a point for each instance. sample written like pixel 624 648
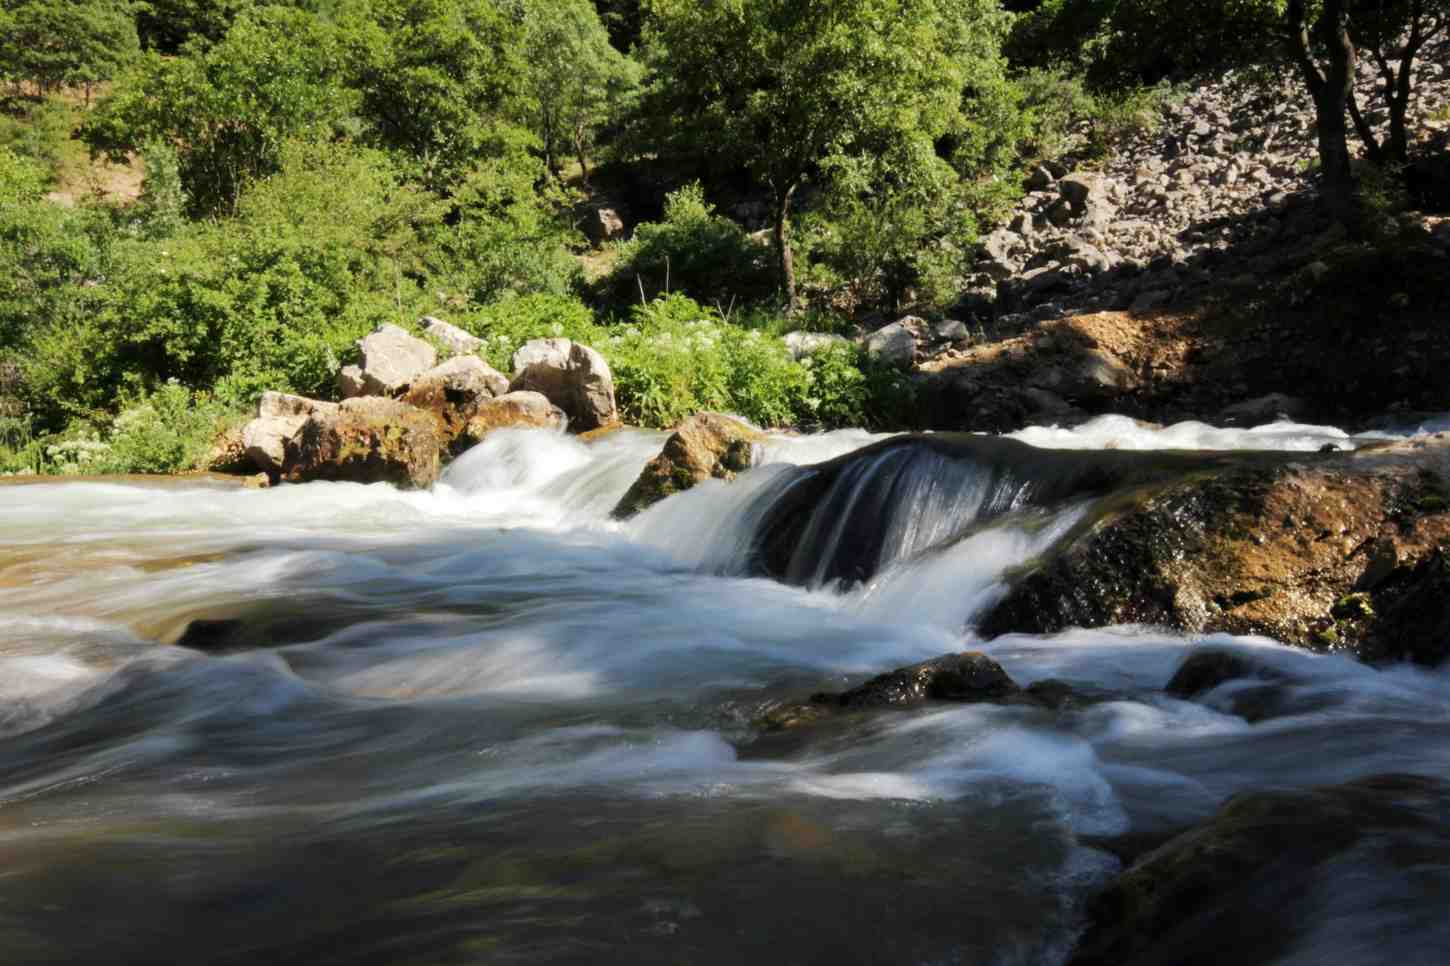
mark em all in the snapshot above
pixel 574 377
pixel 367 440
pixel 453 339
pixel 705 446
pixel 521 410
pixel 279 417
pixel 1271 859
pixel 390 360
pixel 455 390
pixel 1338 552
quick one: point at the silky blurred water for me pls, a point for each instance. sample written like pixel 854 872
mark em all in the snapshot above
pixel 486 723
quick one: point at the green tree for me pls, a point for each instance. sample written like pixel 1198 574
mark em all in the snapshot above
pixel 576 79
pixel 793 88
pixel 56 42
pixel 229 108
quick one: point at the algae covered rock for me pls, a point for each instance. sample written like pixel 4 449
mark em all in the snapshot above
pixel 1241 887
pixel 366 440
pixel 705 446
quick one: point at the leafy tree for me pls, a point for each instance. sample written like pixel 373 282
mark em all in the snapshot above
pixel 576 80
pixel 167 25
pixel 793 88
pixel 55 42
pixel 441 82
pixel 228 109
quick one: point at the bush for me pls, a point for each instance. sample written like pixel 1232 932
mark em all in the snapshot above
pixel 693 251
pixel 169 431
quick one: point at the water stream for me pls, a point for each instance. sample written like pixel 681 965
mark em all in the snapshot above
pixel 486 723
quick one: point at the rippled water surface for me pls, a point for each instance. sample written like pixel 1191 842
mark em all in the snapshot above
pixel 488 724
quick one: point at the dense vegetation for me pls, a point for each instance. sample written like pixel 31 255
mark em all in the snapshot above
pixel 317 167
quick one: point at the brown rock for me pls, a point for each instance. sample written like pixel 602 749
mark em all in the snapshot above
pixel 705 446
pixel 574 377
pixel 454 391
pixel 514 410
pixel 368 440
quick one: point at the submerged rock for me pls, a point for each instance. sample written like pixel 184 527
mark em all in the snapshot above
pixel 574 377
pixel 967 677
pixel 1201 898
pixel 367 440
pixel 705 446
pixel 1206 669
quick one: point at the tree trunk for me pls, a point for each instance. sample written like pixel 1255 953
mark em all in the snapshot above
pixel 579 152
pixel 1330 90
pixel 785 257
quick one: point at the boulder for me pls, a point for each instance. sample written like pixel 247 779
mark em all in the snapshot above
pixel 967 677
pixel 603 224
pixel 451 337
pixel 802 344
pixel 279 416
pixel 514 410
pixel 1207 668
pixel 367 440
pixel 893 345
pixel 392 359
pixel 1201 898
pixel 573 377
pixel 454 391
pixel 350 382
pixel 705 446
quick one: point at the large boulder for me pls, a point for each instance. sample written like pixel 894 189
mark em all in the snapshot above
pixel 574 377
pixel 279 416
pixel 454 391
pixel 514 410
pixel 1337 552
pixel 390 360
pixel 1251 883
pixel 895 344
pixel 705 446
pixel 368 440
pixel 456 341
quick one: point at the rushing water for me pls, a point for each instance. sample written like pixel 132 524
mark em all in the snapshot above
pixel 486 724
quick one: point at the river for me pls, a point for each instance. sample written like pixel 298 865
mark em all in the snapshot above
pixel 487 724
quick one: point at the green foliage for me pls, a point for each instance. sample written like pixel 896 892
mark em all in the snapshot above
pixel 506 325
pixel 40 131
pixel 170 430
pixel 54 42
pixel 162 205
pixel 576 81
pixel 694 251
pixel 229 108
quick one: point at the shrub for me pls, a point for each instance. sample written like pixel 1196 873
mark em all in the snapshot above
pixel 171 430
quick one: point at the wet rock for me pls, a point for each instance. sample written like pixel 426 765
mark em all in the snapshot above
pixel 893 345
pixel 391 359
pixel 705 446
pixel 574 377
pixel 1188 901
pixel 454 391
pixel 456 341
pixel 371 439
pixel 1268 545
pixel 514 410
pixel 1205 669
pixel 967 677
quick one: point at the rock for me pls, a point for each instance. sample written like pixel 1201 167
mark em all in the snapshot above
pixel 228 453
pixel 350 383
pixel 949 330
pixel 967 677
pixel 1205 669
pixel 1262 410
pixel 279 416
pixel 454 391
pixel 572 376
pixel 285 404
pixel 392 359
pixel 367 440
pixel 514 410
pixel 451 337
pixel 893 345
pixel 603 224
pixel 1040 179
pixel 1078 190
pixel 1187 902
pixel 1264 546
pixel 705 446
pixel 802 344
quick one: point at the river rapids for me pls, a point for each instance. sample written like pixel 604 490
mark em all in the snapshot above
pixel 487 724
